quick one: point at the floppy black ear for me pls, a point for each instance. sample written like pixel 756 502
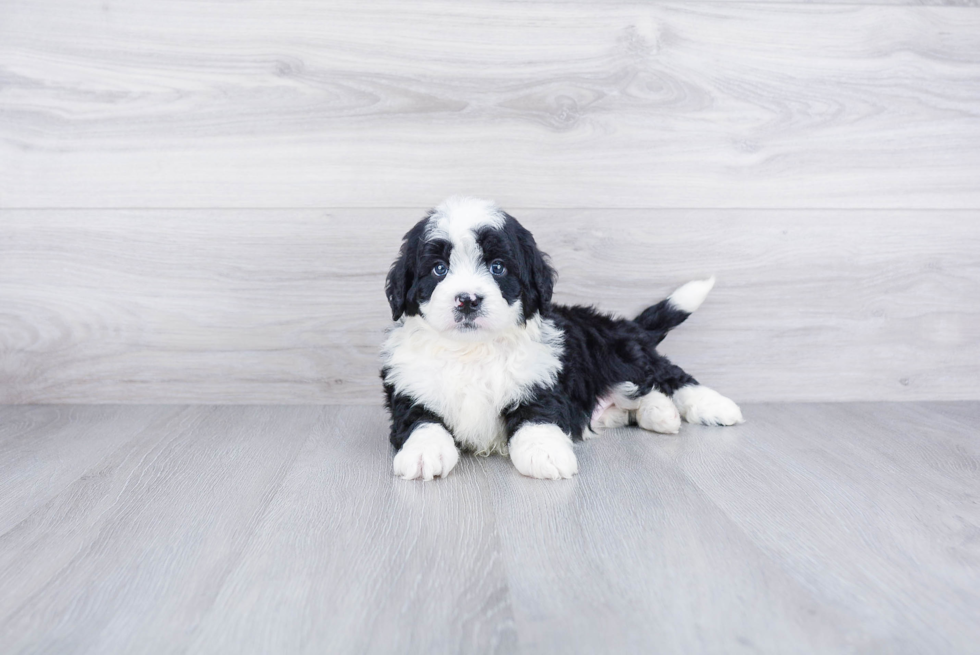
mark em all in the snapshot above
pixel 537 276
pixel 400 285
pixel 396 285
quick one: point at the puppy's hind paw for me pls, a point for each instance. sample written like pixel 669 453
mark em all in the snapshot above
pixel 611 417
pixel 543 451
pixel 699 404
pixel 430 452
pixel 658 414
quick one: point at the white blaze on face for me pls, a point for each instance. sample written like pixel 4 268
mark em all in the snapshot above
pixel 457 220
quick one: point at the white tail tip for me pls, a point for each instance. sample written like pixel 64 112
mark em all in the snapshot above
pixel 690 296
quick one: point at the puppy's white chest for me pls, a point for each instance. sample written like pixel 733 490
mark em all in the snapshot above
pixel 470 394
pixel 470 384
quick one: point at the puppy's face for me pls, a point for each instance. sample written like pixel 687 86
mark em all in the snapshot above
pixel 470 271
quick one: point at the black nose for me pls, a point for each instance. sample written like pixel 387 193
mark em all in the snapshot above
pixel 467 304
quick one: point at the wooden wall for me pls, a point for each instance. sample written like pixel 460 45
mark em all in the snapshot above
pixel 199 199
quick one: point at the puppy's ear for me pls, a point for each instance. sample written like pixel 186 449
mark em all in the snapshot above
pixel 398 281
pixel 400 285
pixel 537 276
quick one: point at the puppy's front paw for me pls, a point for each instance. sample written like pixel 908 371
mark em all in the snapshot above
pixel 429 452
pixel 657 413
pixel 699 404
pixel 543 451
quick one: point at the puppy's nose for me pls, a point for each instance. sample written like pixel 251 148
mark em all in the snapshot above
pixel 467 304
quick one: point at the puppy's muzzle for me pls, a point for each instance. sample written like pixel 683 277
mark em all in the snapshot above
pixel 467 305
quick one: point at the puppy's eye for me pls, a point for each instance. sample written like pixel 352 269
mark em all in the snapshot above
pixel 440 270
pixel 497 267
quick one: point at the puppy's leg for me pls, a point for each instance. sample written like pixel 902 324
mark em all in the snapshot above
pixel 544 451
pixel 694 402
pixel 425 447
pixel 610 412
pixel 699 404
pixel 428 453
pixel 656 412
pixel 613 409
pixel 610 418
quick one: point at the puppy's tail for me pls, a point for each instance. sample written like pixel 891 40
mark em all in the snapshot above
pixel 674 310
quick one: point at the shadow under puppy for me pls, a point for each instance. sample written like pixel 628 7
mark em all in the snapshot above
pixel 480 358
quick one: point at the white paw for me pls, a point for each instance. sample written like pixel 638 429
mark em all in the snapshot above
pixel 543 451
pixel 699 404
pixel 610 418
pixel 429 452
pixel 612 410
pixel 656 412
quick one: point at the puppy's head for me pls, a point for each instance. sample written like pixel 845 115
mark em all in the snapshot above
pixel 470 271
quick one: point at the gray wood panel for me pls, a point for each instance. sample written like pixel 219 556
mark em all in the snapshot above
pixel 948 3
pixel 853 500
pixel 631 557
pixel 286 306
pixel 130 556
pixel 810 528
pixel 349 559
pixel 311 104
pixel 44 449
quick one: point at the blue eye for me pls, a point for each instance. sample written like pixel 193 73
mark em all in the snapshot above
pixel 497 268
pixel 440 270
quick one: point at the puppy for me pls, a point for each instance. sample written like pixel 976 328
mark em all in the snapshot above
pixel 480 359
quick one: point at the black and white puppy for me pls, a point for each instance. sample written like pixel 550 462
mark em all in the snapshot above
pixel 480 359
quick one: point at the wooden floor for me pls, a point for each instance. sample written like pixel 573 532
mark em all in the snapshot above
pixel 265 529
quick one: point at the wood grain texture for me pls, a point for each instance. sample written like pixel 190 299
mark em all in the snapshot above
pixel 129 557
pixel 939 3
pixel 630 557
pixel 853 500
pixel 51 446
pixel 611 105
pixel 351 560
pixel 286 306
pixel 818 528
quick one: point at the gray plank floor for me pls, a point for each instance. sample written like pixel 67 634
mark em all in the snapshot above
pixel 239 529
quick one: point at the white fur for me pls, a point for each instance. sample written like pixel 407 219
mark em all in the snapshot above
pixel 656 412
pixel 690 296
pixel 699 404
pixel 610 417
pixel 543 451
pixel 468 275
pixel 429 452
pixel 457 220
pixel 459 216
pixel 470 383
pixel 613 409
